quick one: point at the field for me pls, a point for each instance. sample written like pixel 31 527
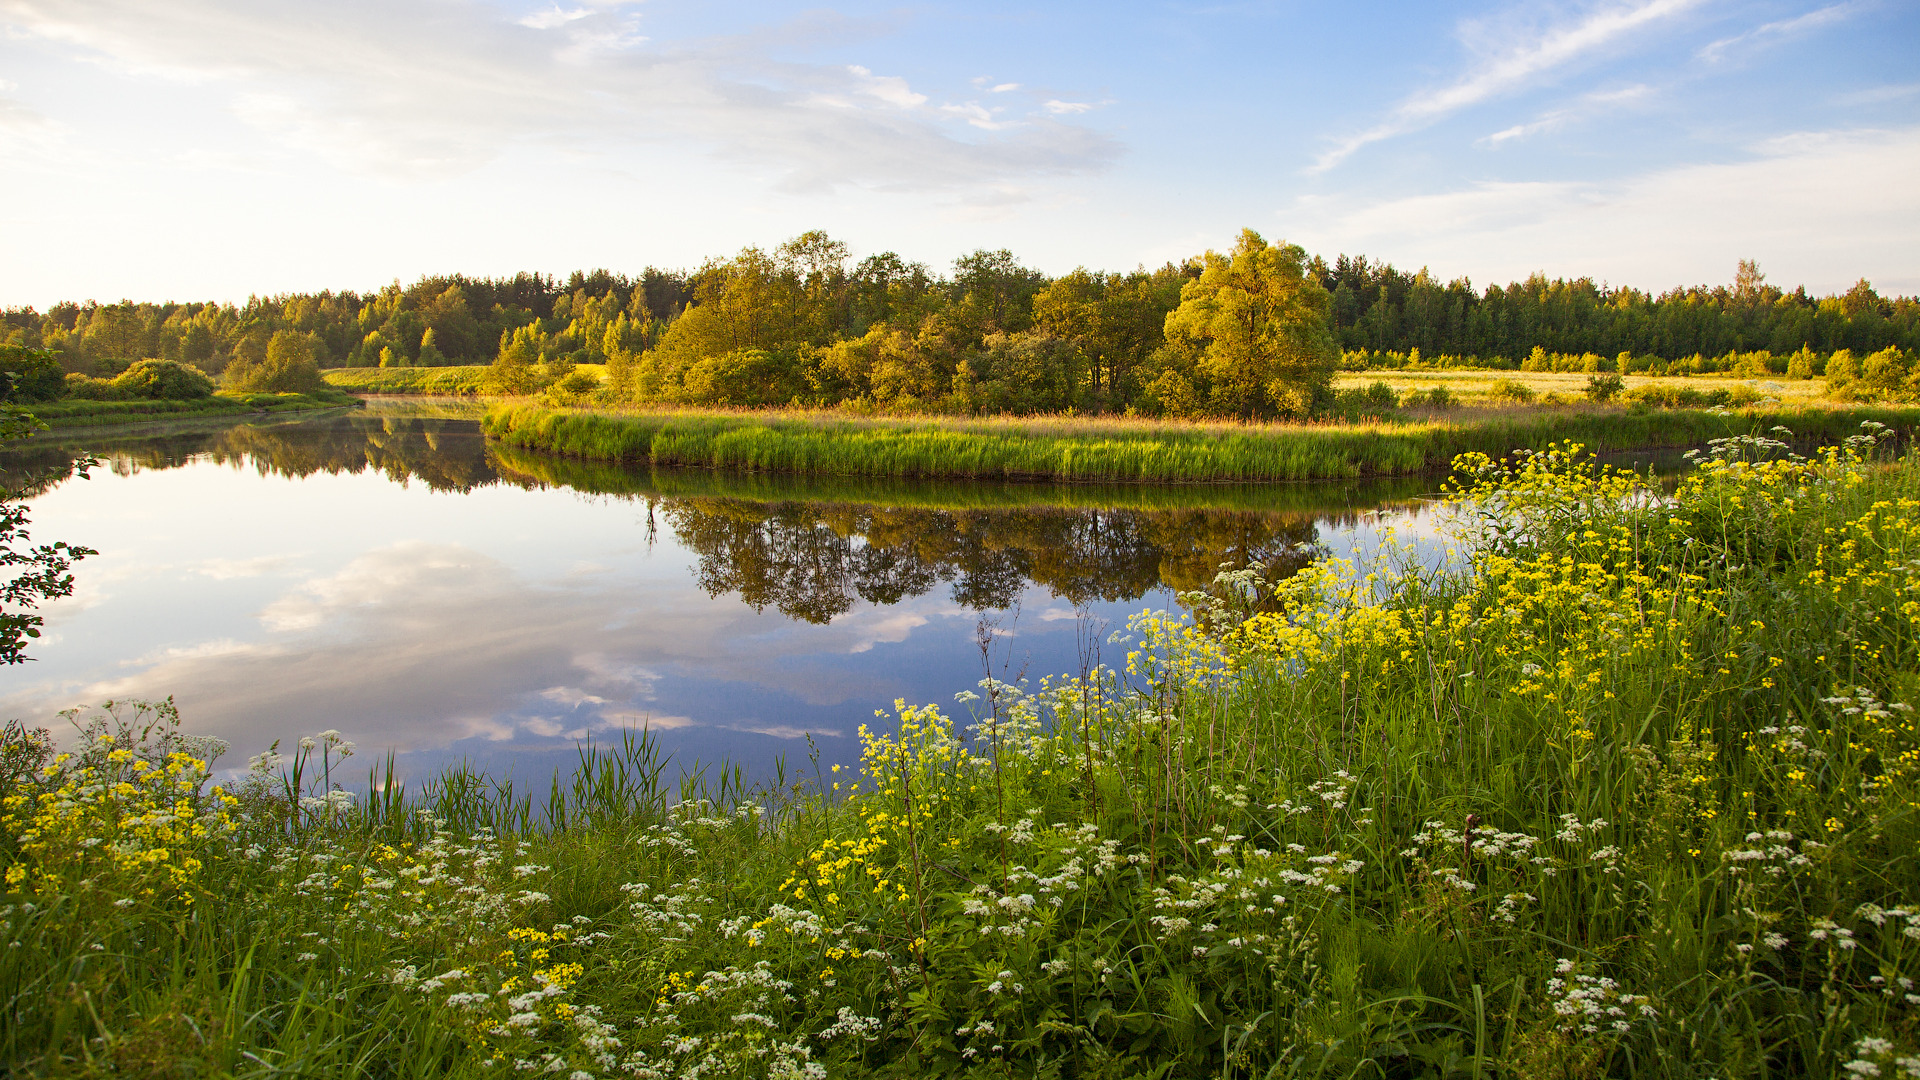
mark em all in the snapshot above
pixel 1627 787
pixel 1472 387
pixel 1118 450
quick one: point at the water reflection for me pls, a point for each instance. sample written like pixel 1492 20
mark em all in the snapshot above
pixel 397 578
pixel 812 548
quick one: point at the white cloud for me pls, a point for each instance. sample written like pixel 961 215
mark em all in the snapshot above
pixel 888 88
pixel 571 696
pixel 1588 104
pixel 227 569
pixel 1067 108
pixel 879 626
pixel 979 116
pixel 1508 66
pixel 1783 28
pixel 1823 208
pixel 1879 95
pixel 555 16
pixel 785 731
pixel 418 88
pixel 24 129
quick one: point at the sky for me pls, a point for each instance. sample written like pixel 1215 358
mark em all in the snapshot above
pixel 213 149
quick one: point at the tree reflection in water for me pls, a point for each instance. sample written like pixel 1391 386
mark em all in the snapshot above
pixel 813 547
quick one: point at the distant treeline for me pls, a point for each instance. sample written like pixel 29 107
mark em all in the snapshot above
pixel 804 323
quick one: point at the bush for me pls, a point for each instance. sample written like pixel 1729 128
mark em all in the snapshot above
pixel 1376 400
pixel 28 375
pixel 1604 388
pixel 165 380
pixel 578 382
pixel 1685 397
pixel 1436 397
pixel 1511 390
pixel 87 388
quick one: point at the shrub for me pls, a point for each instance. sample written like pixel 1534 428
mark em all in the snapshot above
pixel 164 380
pixel 1604 388
pixel 579 382
pixel 28 375
pixel 1842 369
pixel 1511 390
pixel 87 388
pixel 1435 397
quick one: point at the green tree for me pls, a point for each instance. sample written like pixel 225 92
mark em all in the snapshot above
pixel 115 336
pixel 1255 325
pixel 29 375
pixel 994 292
pixel 286 368
pixel 513 371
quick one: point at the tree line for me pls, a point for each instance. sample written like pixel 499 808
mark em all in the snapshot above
pixel 1254 331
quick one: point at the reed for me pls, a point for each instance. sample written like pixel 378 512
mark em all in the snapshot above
pixel 1103 450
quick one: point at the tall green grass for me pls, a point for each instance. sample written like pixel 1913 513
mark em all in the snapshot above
pixel 1111 451
pixel 1629 788
pixel 76 413
pixel 534 468
pixel 462 381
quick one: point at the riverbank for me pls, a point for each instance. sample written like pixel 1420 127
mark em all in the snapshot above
pixel 78 413
pixel 459 381
pixel 1629 789
pixel 1125 451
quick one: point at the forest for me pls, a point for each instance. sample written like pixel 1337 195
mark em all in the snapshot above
pixel 803 323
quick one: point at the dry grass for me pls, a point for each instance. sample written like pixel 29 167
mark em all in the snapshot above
pixel 1473 386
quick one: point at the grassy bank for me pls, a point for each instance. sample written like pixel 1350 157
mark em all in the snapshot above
pixel 1118 450
pixel 1628 790
pixel 533 468
pixel 73 413
pixel 459 381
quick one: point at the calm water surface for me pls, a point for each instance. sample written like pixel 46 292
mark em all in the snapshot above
pixel 387 573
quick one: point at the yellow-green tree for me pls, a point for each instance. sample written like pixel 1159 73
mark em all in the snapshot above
pixel 1254 325
pixel 284 366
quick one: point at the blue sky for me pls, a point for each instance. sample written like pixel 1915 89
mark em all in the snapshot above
pixel 205 149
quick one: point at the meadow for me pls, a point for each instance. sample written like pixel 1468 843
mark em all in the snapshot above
pixel 1473 387
pixel 1114 449
pixel 79 413
pixel 1624 787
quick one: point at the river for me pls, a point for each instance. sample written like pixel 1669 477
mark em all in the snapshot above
pixel 387 573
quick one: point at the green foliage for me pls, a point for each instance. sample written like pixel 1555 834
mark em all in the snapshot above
pixel 1254 325
pixel 88 388
pixel 1686 397
pixel 286 367
pixel 1604 388
pixel 442 381
pixel 885 333
pixel 30 375
pixel 1434 397
pixel 1375 401
pixel 164 380
pixel 34 573
pixel 1627 789
pixel 1100 450
pixel 1511 390
pixel 121 408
